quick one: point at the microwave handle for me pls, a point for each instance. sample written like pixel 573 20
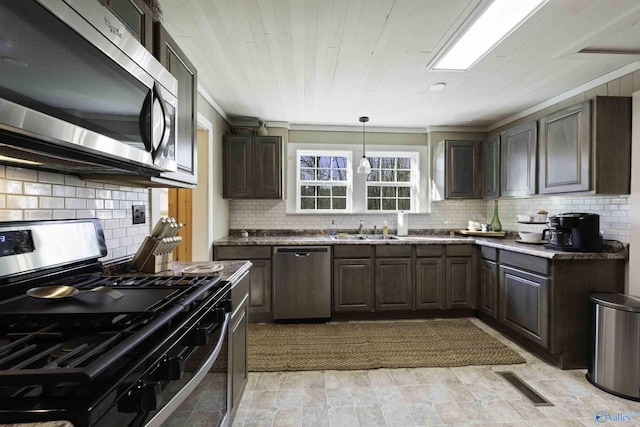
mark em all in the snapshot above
pixel 166 129
pixel 146 128
pixel 144 122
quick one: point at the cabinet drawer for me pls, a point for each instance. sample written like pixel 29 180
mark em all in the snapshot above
pixel 428 250
pixel 242 252
pixel 352 251
pixel 489 253
pixel 388 251
pixel 527 262
pixel 240 291
pixel 459 250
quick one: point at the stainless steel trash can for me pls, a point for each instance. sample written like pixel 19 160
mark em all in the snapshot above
pixel 614 360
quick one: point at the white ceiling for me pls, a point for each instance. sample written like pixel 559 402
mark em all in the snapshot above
pixel 327 62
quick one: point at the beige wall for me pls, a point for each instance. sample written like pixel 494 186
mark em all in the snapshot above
pixel 210 163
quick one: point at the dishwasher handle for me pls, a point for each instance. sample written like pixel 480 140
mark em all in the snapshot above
pixel 301 251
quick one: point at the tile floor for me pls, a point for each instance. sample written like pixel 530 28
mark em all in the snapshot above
pixel 463 396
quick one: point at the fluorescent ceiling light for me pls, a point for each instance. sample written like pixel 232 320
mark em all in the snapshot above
pixel 493 26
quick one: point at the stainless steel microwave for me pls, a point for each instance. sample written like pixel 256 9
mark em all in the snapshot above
pixel 79 94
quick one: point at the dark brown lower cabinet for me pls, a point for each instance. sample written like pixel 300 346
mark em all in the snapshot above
pixel 260 304
pixel 429 283
pixel 237 343
pixel 353 285
pixel 394 284
pixel 260 295
pixel 524 303
pixel 489 288
pixel 459 281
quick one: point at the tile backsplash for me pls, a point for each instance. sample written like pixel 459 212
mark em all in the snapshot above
pixel 614 214
pixel 27 194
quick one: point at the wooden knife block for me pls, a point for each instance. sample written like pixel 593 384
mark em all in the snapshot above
pixel 158 263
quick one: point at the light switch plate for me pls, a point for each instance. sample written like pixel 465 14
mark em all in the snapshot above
pixel 139 215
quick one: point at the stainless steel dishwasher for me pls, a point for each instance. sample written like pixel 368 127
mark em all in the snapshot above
pixel 302 282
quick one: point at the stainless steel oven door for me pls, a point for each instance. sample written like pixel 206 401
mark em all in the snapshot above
pixel 76 81
pixel 204 379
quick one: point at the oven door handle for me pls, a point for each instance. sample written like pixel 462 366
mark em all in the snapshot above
pixel 162 415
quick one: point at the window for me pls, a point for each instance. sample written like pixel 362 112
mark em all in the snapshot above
pixel 391 185
pixel 324 181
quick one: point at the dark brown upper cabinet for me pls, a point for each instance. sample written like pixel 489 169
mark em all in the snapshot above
pixel 137 16
pixel 491 167
pixel 587 147
pixel 456 169
pixel 174 60
pixel 252 167
pixel 518 148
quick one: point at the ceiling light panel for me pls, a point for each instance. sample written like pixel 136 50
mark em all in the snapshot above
pixel 494 25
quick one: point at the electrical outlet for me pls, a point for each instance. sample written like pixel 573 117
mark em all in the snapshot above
pixel 139 216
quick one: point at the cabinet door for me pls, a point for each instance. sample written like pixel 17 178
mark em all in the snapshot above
pixel 394 284
pixel 463 170
pixel 352 285
pixel 170 55
pixel 565 150
pixel 524 304
pixel 260 293
pixel 236 167
pixel 518 160
pixel 491 167
pixel 489 288
pixel 429 283
pixel 267 167
pixel 459 282
pixel 137 16
pixel 238 368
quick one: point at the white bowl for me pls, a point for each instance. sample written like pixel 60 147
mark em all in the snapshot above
pixel 530 237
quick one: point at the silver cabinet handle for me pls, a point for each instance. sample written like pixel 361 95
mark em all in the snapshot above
pixel 302 254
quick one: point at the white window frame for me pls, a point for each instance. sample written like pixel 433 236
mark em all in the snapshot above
pixel 348 183
pixel 413 184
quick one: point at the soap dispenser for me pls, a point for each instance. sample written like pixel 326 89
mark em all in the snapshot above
pixel 332 230
pixel 385 229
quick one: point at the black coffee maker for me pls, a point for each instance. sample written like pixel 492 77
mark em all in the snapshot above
pixel 576 232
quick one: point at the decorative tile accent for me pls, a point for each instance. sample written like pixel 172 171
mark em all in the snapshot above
pixel 614 214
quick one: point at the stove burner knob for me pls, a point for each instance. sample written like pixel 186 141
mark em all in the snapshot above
pixel 144 396
pixel 149 398
pixel 198 336
pixel 173 368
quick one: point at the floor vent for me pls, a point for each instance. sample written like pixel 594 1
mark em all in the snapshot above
pixel 523 388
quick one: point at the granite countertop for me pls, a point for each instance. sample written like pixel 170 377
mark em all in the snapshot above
pixel 499 243
pixel 231 272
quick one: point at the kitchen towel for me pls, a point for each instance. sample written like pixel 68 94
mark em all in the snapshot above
pixel 403 224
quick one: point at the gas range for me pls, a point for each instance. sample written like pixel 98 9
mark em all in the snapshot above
pixel 93 359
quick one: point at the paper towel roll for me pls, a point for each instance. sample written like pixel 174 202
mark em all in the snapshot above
pixel 403 224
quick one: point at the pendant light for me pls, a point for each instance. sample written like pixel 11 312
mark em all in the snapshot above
pixel 365 166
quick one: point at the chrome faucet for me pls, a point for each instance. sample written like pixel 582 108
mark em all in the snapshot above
pixel 374 229
pixel 361 227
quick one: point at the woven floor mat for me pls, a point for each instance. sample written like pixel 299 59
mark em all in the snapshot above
pixel 370 345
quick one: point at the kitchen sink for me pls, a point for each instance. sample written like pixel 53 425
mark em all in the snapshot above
pixel 381 237
pixel 364 237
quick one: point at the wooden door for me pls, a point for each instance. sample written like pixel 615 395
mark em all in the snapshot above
pixel 267 167
pixel 180 207
pixel 518 160
pixel 463 179
pixel 489 288
pixel 429 283
pixel 491 167
pixel 393 284
pixel 352 285
pixel 236 167
pixel 565 150
pixel 459 282
pixel 524 304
